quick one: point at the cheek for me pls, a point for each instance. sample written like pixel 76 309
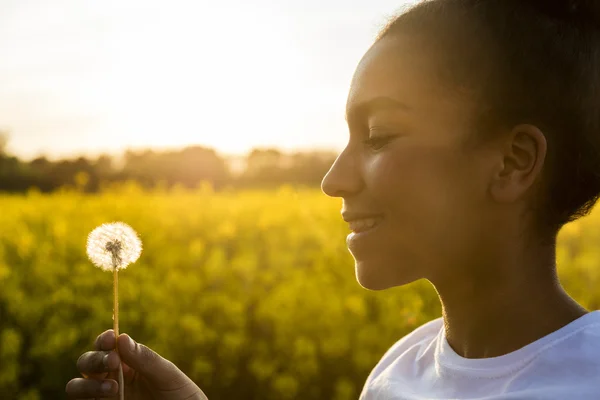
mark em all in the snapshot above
pixel 424 192
pixel 412 178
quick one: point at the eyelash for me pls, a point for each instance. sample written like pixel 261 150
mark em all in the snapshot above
pixel 372 142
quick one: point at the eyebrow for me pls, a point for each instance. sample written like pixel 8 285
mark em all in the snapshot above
pixel 376 104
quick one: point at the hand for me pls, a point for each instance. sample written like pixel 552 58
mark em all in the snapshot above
pixel 147 375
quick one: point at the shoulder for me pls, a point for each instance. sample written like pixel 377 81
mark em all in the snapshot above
pixel 424 333
pixel 579 347
pixel 572 363
pixel 409 346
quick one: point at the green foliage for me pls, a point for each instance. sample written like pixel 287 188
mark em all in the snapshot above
pixel 186 167
pixel 252 294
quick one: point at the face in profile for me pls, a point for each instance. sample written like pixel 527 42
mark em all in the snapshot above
pixel 412 192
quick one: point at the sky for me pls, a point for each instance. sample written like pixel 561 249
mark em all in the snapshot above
pixel 85 77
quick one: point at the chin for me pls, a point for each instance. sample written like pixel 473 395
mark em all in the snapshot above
pixel 378 277
pixel 371 278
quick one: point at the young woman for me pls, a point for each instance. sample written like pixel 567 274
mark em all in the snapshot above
pixel 474 137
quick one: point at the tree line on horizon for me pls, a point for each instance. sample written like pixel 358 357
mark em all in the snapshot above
pixel 188 167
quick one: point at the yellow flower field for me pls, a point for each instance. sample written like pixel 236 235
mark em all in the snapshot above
pixel 252 294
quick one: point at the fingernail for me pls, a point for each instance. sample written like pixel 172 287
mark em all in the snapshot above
pixel 105 360
pixel 106 387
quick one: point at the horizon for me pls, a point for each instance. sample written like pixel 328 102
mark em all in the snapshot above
pixel 90 78
pixel 120 153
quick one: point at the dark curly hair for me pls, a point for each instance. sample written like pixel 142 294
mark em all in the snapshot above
pixel 525 61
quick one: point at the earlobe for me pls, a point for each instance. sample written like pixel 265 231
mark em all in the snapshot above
pixel 522 163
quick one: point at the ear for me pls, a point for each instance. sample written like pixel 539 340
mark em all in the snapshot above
pixel 523 156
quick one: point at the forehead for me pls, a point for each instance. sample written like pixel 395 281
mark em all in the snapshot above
pixel 398 68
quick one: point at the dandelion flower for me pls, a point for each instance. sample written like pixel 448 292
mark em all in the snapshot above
pixel 113 245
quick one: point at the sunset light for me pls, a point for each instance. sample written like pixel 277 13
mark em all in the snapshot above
pixel 95 76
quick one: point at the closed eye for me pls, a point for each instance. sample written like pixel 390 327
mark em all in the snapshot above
pixel 377 142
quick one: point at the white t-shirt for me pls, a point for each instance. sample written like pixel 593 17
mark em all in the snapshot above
pixel 564 365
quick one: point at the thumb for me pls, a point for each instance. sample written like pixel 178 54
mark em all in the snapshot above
pixel 158 371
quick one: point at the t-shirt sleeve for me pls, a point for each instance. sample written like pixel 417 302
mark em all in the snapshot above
pixel 424 332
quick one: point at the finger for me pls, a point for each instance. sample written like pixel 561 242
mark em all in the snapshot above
pixel 90 388
pixel 129 374
pixel 98 376
pixel 105 340
pixel 95 362
pixel 150 365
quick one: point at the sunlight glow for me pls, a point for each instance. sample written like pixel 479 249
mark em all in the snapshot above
pixel 89 76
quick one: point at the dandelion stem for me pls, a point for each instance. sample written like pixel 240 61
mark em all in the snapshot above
pixel 116 326
pixel 114 246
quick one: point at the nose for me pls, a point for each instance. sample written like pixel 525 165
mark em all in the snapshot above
pixel 343 178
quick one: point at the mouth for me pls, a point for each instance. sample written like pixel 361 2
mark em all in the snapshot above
pixel 364 233
pixel 363 225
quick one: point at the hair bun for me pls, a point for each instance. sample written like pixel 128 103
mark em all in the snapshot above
pixel 581 11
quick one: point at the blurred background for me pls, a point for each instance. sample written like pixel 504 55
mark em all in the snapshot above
pixel 138 89
pixel 206 126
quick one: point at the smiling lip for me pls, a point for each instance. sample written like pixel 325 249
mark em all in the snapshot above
pixel 349 216
pixel 363 224
pixel 362 231
pixel 360 222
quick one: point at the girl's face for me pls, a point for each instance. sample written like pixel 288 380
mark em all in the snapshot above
pixel 406 169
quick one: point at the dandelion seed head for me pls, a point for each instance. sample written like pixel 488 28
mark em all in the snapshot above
pixel 112 245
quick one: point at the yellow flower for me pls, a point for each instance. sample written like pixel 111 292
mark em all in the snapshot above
pixel 113 245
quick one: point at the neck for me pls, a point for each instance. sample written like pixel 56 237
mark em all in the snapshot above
pixel 514 302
